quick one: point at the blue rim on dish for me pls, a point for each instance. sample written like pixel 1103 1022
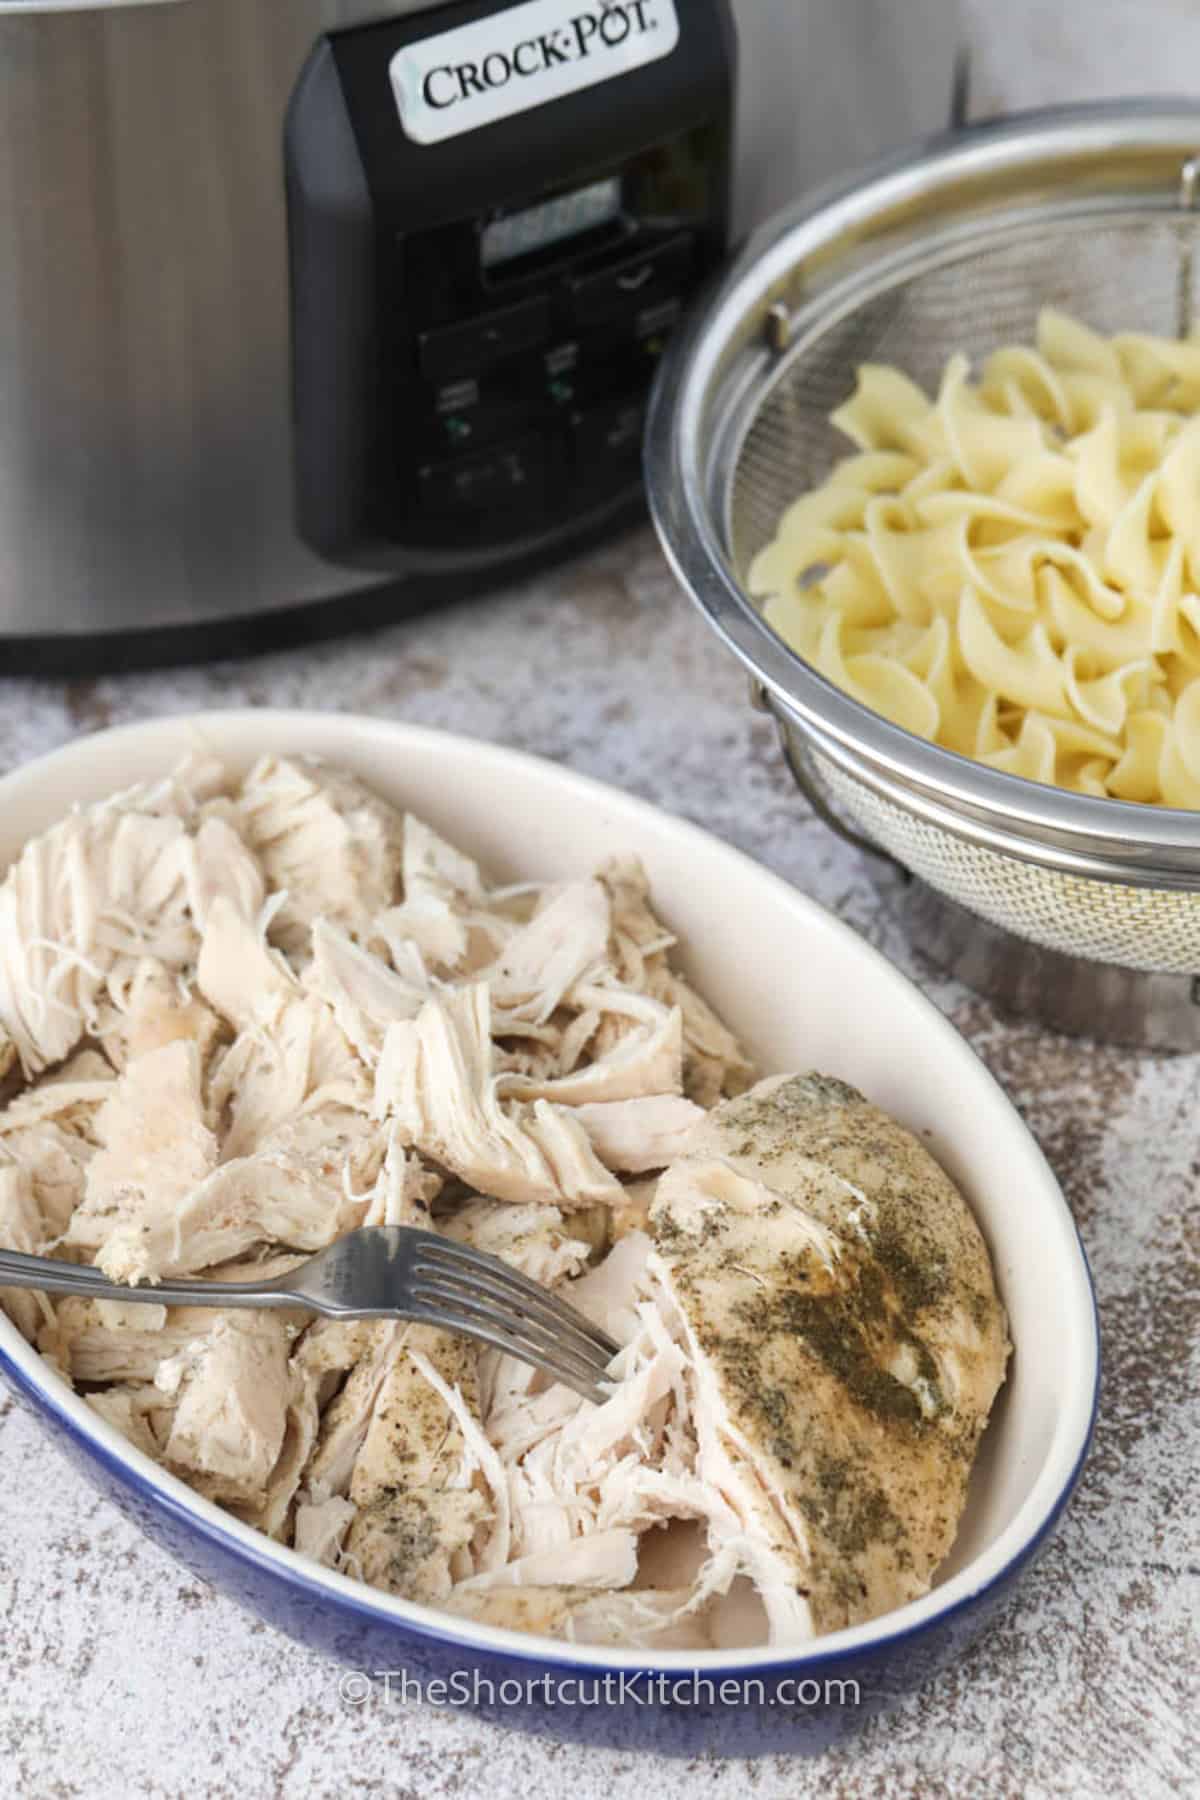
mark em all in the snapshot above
pixel 369 1631
pixel 353 1631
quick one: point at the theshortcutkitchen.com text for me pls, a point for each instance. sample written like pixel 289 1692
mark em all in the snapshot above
pixel 635 1687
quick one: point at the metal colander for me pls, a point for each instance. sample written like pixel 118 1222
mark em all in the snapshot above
pixel 955 246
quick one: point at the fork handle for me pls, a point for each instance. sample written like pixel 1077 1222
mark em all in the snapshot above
pixel 52 1277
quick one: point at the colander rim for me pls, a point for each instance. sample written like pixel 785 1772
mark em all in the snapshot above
pixel 1132 840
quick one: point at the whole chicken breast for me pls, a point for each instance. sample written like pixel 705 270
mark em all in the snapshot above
pixel 847 1343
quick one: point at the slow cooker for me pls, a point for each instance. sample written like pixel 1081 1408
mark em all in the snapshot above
pixel 314 311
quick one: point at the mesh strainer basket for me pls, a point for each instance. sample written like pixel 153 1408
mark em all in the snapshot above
pixel 954 246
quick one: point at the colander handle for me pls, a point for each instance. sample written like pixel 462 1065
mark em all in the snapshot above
pixel 804 776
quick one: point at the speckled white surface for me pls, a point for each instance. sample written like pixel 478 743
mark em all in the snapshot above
pixel 120 1676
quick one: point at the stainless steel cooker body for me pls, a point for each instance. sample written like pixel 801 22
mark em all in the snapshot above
pixel 145 431
pixel 145 439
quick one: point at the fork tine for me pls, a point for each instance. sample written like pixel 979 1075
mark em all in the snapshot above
pixel 464 1257
pixel 545 1336
pixel 487 1329
pixel 538 1306
pixel 454 1261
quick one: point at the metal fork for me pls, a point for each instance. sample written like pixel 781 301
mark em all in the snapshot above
pixel 382 1272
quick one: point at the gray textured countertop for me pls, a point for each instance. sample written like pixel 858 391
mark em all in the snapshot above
pixel 123 1676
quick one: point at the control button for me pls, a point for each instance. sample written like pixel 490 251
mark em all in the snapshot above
pixel 456 396
pixel 488 423
pixel 468 415
pixel 609 437
pixel 513 474
pixel 627 289
pixel 561 363
pixel 460 350
pixel 656 321
pixel 562 358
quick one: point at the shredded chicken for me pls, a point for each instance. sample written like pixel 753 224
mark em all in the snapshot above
pixel 643 1132
pixel 416 1510
pixel 241 1017
pixel 155 1148
pixel 230 1392
pixel 21 1228
pixel 128 878
pixel 328 847
pixel 363 993
pixel 565 941
pixel 436 1081
pixel 441 889
pixel 49 1131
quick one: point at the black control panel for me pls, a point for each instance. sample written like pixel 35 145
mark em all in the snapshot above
pixel 477 321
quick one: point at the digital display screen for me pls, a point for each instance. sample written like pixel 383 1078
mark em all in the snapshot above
pixel 538 227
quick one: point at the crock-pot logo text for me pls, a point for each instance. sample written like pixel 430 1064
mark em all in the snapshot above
pixel 520 58
pixel 585 35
